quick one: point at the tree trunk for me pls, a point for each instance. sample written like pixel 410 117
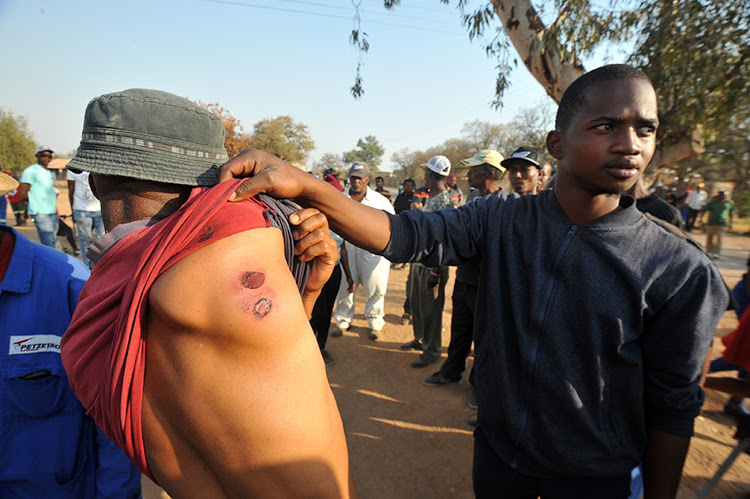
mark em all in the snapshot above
pixel 524 28
pixel 687 147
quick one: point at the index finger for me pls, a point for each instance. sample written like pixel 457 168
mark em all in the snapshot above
pixel 301 215
pixel 245 190
pixel 242 165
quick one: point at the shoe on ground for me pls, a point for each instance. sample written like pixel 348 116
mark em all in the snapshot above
pixel 405 319
pixel 472 420
pixel 472 400
pixel 327 358
pixel 374 334
pixel 412 345
pixel 422 361
pixel 736 408
pixel 438 379
pixel 336 331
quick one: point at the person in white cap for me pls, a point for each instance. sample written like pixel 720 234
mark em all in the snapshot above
pixel 427 284
pixel 367 269
pixel 38 188
pixel 485 171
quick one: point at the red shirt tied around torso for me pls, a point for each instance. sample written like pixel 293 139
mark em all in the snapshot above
pixel 104 350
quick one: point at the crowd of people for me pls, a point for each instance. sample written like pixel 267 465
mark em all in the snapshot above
pixel 590 322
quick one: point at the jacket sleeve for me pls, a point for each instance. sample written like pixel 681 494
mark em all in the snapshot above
pixel 116 475
pixel 675 342
pixel 444 237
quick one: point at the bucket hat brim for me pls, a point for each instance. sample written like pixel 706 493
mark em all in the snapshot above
pixel 141 163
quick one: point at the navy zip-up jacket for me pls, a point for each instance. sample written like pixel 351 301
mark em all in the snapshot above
pixel 592 334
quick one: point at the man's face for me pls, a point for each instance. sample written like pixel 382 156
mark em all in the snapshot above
pixel 476 176
pixel 545 174
pixel 611 140
pixel 43 158
pixel 451 182
pixel 524 177
pixel 358 185
pixel 378 182
pixel 408 187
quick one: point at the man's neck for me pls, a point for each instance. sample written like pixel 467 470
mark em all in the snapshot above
pixel 436 188
pixel 580 206
pixel 131 208
pixel 358 197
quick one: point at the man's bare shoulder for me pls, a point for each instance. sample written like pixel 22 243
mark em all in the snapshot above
pixel 241 279
pixel 231 360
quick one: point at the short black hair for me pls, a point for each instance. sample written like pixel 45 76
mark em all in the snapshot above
pixel 379 178
pixel 573 99
pixel 410 180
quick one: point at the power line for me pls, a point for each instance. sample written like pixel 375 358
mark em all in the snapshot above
pixel 409 6
pixel 331 16
pixel 386 14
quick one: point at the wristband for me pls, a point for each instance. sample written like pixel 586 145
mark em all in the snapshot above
pixel 434 274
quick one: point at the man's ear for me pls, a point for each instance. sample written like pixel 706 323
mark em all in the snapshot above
pixel 555 144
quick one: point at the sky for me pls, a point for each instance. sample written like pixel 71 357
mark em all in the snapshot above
pixel 423 78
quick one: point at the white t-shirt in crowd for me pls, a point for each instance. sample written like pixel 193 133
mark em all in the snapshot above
pixel 83 198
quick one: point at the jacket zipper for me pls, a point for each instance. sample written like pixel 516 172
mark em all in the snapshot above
pixel 535 340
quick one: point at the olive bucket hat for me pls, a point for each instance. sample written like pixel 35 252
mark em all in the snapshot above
pixel 150 135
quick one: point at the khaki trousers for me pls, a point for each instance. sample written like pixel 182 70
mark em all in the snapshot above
pixel 714 239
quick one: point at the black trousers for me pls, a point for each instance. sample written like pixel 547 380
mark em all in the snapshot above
pixel 320 320
pixel 462 327
pixel 407 302
pixel 692 215
pixel 493 478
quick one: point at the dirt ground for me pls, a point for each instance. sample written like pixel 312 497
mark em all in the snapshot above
pixel 407 439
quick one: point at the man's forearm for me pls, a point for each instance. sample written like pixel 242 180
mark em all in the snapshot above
pixel 23 191
pixel 365 227
pixel 662 469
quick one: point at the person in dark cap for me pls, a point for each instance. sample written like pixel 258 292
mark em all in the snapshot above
pixel 190 345
pixel 38 189
pixel 596 320
pixel 524 170
pixel 367 270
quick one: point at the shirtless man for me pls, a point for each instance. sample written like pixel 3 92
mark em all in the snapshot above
pixel 213 383
pixel 622 311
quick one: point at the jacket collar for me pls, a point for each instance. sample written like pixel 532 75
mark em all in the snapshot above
pixel 627 214
pixel 18 276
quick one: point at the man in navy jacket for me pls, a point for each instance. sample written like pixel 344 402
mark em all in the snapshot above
pixel 596 320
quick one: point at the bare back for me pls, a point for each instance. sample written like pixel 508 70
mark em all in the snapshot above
pixel 236 398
